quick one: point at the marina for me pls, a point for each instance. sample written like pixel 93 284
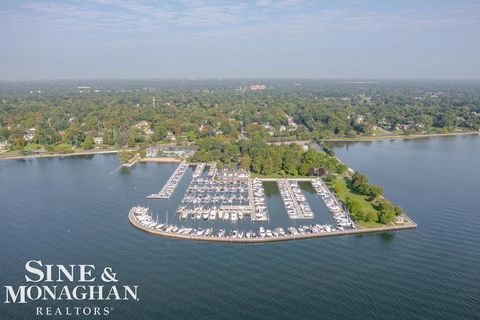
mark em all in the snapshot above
pixel 228 206
pixel 171 184
pixel 211 199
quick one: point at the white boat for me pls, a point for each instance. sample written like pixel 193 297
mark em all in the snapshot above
pixel 213 215
pixel 261 231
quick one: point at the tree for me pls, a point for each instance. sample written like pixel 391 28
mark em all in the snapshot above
pixel 375 191
pixel 74 135
pixel 131 141
pixel 359 179
pixel 245 162
pixel 339 187
pixel 87 143
pixel 386 217
pixel 398 210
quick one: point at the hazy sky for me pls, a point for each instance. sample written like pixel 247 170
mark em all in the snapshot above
pixel 235 39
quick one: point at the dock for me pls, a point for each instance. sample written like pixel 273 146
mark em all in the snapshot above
pixel 256 198
pixel 295 203
pixel 212 172
pixel 332 203
pixel 171 184
pixel 199 170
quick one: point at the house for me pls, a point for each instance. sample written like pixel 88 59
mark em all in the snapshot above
pixel 255 87
pixel 3 144
pixel 171 136
pixel 148 131
pixel 145 127
pixel 292 125
pixel 151 152
pixel 316 172
pixel 142 124
pixel 29 134
pixel 98 140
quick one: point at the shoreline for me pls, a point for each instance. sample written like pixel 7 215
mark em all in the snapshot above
pixel 399 137
pixel 360 231
pixel 52 155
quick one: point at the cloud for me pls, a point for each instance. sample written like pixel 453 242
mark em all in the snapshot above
pixel 265 20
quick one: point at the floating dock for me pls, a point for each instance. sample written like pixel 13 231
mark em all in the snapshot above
pixel 257 201
pixel 294 201
pixel 199 170
pixel 171 184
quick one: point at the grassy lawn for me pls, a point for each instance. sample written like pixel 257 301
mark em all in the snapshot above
pixel 369 224
pixel 347 192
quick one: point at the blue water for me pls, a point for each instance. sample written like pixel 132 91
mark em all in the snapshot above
pixel 71 210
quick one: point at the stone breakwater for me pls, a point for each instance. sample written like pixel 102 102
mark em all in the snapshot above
pixel 288 237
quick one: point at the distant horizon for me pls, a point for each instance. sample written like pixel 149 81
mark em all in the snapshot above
pixel 240 78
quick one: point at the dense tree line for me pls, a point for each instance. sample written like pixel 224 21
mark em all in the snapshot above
pixel 193 110
pixel 258 157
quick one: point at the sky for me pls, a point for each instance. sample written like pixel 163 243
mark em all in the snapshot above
pixel 323 39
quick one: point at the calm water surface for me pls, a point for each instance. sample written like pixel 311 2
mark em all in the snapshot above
pixel 71 210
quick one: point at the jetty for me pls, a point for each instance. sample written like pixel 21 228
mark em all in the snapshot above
pixel 171 184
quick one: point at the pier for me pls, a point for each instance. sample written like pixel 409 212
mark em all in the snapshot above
pixel 199 170
pixel 294 201
pixel 333 205
pixel 171 184
pixel 256 196
pixel 212 172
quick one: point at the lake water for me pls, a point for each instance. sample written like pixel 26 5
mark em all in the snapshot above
pixel 73 211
